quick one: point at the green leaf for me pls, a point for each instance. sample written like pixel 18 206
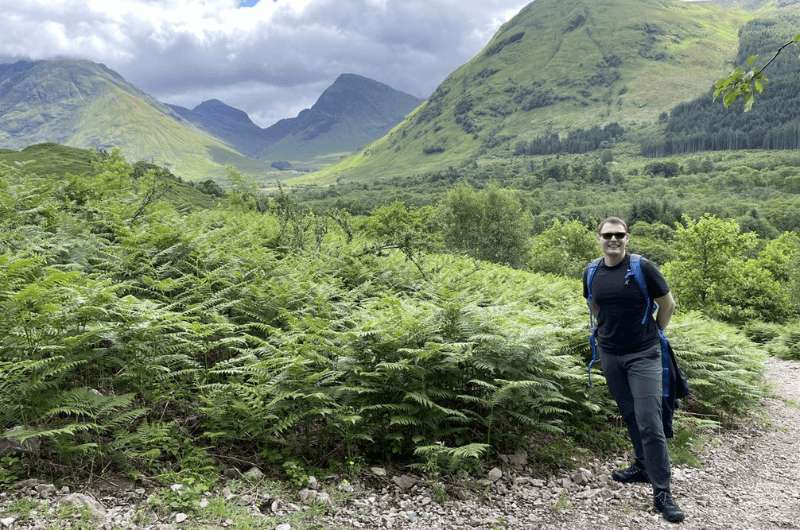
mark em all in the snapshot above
pixel 730 97
pixel 796 38
pixel 748 102
pixel 759 86
pixel 751 60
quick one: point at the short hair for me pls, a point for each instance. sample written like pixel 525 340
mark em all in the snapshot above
pixel 612 220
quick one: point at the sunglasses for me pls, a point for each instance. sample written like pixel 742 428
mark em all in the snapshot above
pixel 608 235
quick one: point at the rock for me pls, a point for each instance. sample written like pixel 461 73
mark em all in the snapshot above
pixel 519 459
pixel 25 484
pixel 176 487
pixel 522 481
pixel 307 496
pixel 495 474
pixel 313 483
pixel 203 503
pixel 284 526
pixel 139 491
pixel 378 471
pixel 232 473
pixel 227 494
pixel 345 486
pixel 538 483
pixel 404 482
pixel 582 476
pixel 7 522
pixel 180 517
pixel 564 482
pixel 64 490
pixel 324 498
pixel 254 474
pixel 92 505
pixel 45 490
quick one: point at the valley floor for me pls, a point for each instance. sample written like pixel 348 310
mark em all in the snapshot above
pixel 750 479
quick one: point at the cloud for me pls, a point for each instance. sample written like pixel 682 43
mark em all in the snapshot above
pixel 271 58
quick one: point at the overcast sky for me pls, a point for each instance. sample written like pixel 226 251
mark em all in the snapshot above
pixel 271 59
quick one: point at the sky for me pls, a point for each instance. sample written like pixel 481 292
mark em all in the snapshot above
pixel 270 58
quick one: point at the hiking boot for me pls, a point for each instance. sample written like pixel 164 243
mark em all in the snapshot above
pixel 635 473
pixel 662 500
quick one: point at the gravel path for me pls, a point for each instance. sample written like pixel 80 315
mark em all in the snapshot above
pixel 750 479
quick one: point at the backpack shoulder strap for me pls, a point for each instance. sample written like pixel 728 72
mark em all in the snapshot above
pixel 638 277
pixel 591 270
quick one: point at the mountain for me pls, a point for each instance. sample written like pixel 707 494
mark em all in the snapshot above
pixel 84 104
pixel 350 113
pixel 559 66
pixel 227 123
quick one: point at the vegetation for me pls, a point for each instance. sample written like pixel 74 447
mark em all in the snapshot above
pixel 157 340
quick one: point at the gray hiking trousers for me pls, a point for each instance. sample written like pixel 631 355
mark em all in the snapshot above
pixel 634 380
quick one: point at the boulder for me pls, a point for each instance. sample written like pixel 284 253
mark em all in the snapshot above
pixel 495 474
pixel 307 496
pixel 92 505
pixel 45 491
pixel 254 474
pixel 404 482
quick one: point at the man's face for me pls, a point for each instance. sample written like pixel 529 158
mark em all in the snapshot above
pixel 613 240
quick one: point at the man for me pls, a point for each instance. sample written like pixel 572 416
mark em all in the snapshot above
pixel 630 356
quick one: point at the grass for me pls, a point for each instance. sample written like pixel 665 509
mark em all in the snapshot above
pixel 563 503
pixel 24 507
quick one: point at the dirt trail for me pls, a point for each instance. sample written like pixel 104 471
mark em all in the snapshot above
pixel 750 480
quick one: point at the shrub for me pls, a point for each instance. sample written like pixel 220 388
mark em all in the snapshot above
pixel 490 224
pixel 564 248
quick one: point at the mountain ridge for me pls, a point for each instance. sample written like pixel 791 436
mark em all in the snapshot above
pixel 80 103
pixel 555 67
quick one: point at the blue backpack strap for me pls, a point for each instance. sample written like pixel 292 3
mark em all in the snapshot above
pixel 590 274
pixel 638 276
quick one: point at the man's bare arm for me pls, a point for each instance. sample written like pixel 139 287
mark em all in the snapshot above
pixel 666 306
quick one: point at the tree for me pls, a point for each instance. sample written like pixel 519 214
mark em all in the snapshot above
pixel 705 250
pixel 564 248
pixel 490 224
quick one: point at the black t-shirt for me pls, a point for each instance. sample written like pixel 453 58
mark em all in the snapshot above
pixel 621 306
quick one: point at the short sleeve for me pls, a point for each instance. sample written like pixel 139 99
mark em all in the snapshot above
pixel 656 283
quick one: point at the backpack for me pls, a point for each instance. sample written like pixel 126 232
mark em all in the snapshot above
pixel 674 382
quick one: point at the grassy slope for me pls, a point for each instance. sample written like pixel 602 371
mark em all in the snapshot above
pixel 677 57
pixel 84 104
pixel 58 161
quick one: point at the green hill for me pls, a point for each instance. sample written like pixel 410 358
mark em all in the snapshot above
pixel 559 66
pixel 54 161
pixel 85 104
